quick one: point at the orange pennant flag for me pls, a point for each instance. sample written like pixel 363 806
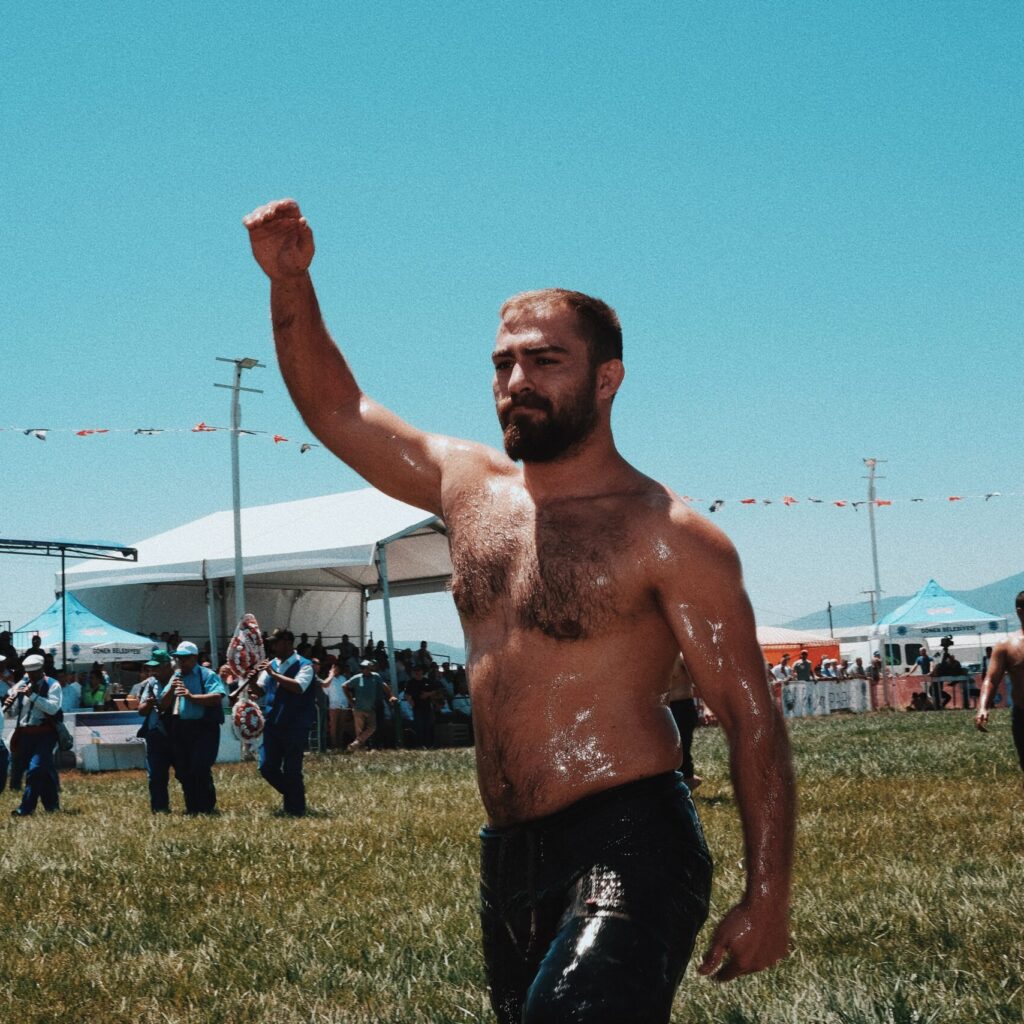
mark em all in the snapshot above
pixel 882 501
pixel 748 501
pixel 956 497
pixel 789 500
pixel 278 439
pixel 202 428
pixel 86 433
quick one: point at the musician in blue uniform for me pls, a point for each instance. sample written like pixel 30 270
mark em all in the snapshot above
pixel 195 698
pixel 156 731
pixel 33 704
pixel 289 712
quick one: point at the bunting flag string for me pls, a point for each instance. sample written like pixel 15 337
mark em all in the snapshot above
pixel 714 505
pixel 788 500
pixel 202 427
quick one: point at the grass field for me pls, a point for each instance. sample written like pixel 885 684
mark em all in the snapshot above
pixel 908 904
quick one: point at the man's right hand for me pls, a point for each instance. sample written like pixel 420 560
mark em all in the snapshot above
pixel 281 240
pixel 981 719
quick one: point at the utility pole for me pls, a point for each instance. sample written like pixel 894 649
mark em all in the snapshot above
pixel 830 631
pixel 872 465
pixel 236 489
pixel 871 595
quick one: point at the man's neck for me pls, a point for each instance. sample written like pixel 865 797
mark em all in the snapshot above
pixel 592 469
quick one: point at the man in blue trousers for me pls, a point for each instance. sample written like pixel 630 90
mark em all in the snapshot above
pixel 289 712
pixel 33 704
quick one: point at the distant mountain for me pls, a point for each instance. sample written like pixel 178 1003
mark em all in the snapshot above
pixel 995 598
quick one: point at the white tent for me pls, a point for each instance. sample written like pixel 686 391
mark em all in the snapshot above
pixel 311 565
pixel 780 636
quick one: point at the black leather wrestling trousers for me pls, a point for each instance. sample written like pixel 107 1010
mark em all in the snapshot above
pixel 590 915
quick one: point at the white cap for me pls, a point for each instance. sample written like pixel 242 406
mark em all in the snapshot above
pixel 186 649
pixel 33 663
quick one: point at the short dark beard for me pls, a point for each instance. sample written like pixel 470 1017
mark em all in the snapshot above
pixel 544 439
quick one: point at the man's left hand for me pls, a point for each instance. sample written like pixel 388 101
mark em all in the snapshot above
pixel 752 937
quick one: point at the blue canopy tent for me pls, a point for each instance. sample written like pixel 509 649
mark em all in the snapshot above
pixel 934 612
pixel 89 638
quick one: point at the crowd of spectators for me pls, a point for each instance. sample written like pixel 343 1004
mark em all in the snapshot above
pixel 430 691
pixel 803 670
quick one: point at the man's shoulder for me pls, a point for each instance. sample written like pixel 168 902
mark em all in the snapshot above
pixel 470 460
pixel 679 531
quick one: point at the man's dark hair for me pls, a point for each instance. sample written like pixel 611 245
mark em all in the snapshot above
pixel 1020 600
pixel 599 323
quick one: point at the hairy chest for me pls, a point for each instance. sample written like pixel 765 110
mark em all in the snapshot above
pixel 562 571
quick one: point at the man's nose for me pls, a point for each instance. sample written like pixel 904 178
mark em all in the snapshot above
pixel 518 381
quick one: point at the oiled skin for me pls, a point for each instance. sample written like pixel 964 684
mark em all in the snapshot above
pixel 569 649
pixel 578 582
pixel 1007 659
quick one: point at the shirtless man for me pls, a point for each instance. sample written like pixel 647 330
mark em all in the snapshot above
pixel 1007 659
pixel 567 568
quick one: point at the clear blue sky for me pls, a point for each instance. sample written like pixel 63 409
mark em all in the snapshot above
pixel 808 216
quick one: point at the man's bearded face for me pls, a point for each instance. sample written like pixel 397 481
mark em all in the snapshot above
pixel 539 429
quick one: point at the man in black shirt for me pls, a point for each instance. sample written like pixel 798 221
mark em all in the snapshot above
pixel 421 693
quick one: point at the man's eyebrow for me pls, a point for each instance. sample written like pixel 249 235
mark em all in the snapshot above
pixel 530 350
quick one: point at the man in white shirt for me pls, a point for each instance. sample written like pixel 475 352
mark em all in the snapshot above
pixel 32 704
pixel 339 713
pixel 782 672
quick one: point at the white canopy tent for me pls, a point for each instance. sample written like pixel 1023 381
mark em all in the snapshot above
pixel 311 565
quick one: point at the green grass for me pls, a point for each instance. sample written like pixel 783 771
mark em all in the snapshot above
pixel 908 903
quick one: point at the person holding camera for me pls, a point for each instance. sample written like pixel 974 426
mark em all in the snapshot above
pixel 34 704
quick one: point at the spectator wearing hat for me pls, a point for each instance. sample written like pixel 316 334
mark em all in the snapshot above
pixel 34 704
pixel 365 691
pixel 782 672
pixel 289 712
pixel 155 731
pixel 194 700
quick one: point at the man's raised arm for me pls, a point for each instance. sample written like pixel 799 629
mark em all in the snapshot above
pixel 393 456
pixel 705 603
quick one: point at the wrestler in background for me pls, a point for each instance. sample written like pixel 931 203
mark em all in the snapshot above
pixel 683 706
pixel 1007 660
pixel 568 570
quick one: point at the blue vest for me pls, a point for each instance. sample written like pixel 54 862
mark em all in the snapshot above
pixel 287 710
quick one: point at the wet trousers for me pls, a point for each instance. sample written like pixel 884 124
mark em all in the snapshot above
pixel 590 915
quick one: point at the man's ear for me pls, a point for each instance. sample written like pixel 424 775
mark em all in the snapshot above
pixel 609 378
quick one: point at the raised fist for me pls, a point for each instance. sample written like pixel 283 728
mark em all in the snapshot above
pixel 281 239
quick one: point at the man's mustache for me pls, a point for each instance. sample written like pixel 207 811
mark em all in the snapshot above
pixel 527 401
